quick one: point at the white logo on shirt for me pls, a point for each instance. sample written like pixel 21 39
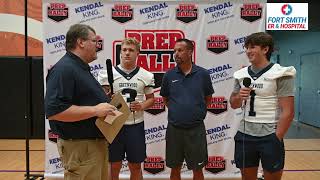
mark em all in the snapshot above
pixel 175 80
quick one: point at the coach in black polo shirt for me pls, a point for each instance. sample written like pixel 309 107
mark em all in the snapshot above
pixel 186 91
pixel 74 99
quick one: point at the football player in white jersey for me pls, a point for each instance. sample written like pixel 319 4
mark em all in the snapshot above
pixel 269 110
pixel 136 85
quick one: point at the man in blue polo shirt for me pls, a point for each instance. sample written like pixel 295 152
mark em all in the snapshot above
pixel 186 91
pixel 74 99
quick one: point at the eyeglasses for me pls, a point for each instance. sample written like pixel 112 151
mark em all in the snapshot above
pixel 92 40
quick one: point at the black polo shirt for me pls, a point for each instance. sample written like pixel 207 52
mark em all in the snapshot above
pixel 186 95
pixel 69 82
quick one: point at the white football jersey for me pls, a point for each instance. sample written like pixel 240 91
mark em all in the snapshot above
pixel 139 80
pixel 262 105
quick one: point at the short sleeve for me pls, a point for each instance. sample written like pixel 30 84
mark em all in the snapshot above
pixel 208 89
pixel 59 91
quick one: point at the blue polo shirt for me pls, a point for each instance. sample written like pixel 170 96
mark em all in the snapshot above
pixel 69 82
pixel 186 95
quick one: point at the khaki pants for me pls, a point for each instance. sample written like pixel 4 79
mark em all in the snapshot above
pixel 84 159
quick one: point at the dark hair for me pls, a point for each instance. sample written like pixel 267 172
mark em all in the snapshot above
pixel 261 39
pixel 75 32
pixel 189 43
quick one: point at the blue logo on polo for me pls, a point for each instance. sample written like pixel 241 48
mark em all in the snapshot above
pixel 155 12
pixel 56 43
pixel 219 12
pixel 90 12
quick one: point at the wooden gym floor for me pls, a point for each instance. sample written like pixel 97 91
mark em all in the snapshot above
pixel 302 156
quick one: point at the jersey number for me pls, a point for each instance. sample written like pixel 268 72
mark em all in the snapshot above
pixel 131 94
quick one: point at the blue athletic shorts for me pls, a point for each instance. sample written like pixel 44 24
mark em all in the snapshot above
pixel 129 144
pixel 269 149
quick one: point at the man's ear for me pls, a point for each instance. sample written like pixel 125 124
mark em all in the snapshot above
pixel 80 42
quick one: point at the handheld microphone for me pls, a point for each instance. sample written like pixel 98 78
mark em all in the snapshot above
pixel 246 83
pixel 132 97
pixel 110 74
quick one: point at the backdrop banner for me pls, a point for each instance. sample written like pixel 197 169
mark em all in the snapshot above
pixel 218 29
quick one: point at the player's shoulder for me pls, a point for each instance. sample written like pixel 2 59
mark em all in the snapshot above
pixel 143 72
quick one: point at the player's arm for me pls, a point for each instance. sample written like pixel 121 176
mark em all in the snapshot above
pixel 286 105
pixel 235 98
pixel 148 102
pixel 285 93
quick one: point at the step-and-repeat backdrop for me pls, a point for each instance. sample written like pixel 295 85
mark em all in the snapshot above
pixel 217 28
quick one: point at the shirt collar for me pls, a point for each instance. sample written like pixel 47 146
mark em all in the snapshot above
pixel 194 69
pixel 79 61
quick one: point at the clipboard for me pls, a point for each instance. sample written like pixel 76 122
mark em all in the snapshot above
pixel 111 128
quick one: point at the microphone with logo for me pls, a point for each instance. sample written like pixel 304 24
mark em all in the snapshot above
pixel 131 96
pixel 110 74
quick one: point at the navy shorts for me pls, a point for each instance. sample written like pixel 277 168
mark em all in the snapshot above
pixel 129 144
pixel 269 149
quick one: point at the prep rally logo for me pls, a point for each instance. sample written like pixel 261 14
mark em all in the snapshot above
pixel 122 13
pixel 217 44
pixel 218 105
pixel 216 164
pixel 154 164
pixel 58 12
pixel 158 106
pixel 100 44
pixel 251 12
pixel 187 13
pixel 52 137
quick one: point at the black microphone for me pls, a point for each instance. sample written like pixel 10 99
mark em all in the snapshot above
pixel 110 74
pixel 246 82
pixel 132 97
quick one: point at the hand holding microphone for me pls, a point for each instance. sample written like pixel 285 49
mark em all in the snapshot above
pixel 131 97
pixel 136 106
pixel 245 91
